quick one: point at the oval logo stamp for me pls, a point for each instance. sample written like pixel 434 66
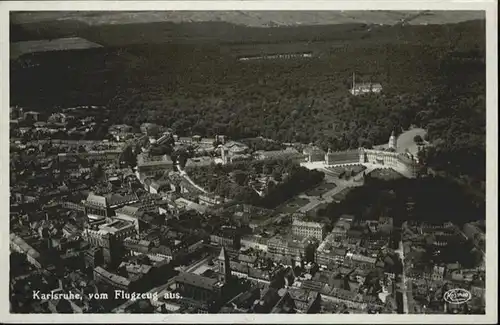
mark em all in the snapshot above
pixel 457 296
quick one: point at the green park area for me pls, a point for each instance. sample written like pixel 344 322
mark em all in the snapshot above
pixel 292 205
pixel 321 189
pixel 386 174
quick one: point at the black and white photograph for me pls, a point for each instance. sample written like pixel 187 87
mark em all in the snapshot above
pixel 245 163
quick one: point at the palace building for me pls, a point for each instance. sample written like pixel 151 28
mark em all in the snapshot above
pixel 404 163
pixel 341 157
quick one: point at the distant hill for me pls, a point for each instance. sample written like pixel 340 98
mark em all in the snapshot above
pixel 253 18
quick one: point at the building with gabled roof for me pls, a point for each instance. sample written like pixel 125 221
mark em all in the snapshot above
pixel 306 229
pixel 101 206
pixel 151 166
pixel 242 302
pixel 130 214
pixel 364 88
pixel 198 287
pixel 268 300
pixel 198 162
pixel 19 245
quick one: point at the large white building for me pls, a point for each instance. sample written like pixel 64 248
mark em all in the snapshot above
pixel 308 229
pixel 118 229
pixel 403 162
pixel 232 151
pixel 151 166
pixel 364 88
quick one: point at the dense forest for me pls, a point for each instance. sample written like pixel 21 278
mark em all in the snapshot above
pixel 432 76
pixel 285 179
pixel 430 199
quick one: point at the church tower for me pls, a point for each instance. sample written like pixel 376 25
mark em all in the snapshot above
pixel 224 155
pixel 224 265
pixel 392 141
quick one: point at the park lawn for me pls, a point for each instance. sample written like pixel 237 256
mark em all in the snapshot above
pixel 321 189
pixel 386 174
pixel 292 206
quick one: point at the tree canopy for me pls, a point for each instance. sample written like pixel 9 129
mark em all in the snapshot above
pixel 432 76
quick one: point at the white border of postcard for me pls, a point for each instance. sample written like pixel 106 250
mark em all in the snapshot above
pixel 491 192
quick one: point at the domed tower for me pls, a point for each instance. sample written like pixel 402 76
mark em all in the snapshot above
pixel 392 141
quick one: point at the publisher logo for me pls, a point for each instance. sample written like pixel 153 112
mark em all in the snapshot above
pixel 457 296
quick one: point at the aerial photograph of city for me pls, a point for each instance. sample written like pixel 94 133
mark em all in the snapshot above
pixel 247 162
